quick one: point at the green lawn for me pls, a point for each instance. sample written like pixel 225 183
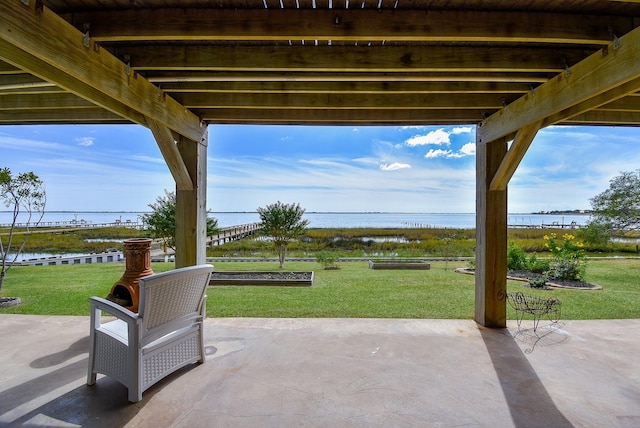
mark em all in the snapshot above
pixel 354 290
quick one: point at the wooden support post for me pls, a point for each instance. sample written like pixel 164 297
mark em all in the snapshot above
pixel 191 206
pixel 491 236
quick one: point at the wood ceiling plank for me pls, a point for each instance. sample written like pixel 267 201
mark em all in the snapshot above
pixel 9 69
pixel 630 103
pixel 347 87
pixel 597 74
pixel 42 101
pixel 346 25
pixel 342 117
pixel 607 118
pixel 348 58
pixel 22 81
pixel 345 101
pixel 162 77
pixel 94 115
pixel 84 70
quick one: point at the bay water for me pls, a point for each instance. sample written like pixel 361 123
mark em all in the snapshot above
pixel 321 220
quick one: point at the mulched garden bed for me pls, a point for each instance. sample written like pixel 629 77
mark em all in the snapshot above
pixel 521 275
pixel 300 279
pixel 7 302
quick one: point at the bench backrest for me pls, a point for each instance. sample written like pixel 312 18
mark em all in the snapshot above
pixel 171 300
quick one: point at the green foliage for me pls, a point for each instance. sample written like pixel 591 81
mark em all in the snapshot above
pixel 538 265
pixel 618 207
pixel 517 260
pixel 25 193
pixel 283 223
pixel 596 234
pixel 538 282
pixel 569 258
pixel 162 220
pixel 328 259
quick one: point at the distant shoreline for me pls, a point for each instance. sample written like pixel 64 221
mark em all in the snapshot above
pixel 568 212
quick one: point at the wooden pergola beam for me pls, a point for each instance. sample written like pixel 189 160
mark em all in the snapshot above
pixel 41 101
pixel 22 81
pixel 600 73
pixel 347 87
pixel 514 156
pixel 58 116
pixel 380 59
pixel 345 101
pixel 491 237
pixel 341 117
pixel 337 25
pixel 171 154
pixel 603 77
pixel 176 76
pixel 30 34
pixel 606 118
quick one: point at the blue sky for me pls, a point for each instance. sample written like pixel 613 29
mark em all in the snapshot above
pixel 388 169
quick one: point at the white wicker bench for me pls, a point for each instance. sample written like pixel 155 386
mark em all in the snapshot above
pixel 166 334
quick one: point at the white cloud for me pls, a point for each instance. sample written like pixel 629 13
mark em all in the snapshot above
pixel 462 130
pixel 85 141
pixel 394 166
pixel 439 137
pixel 468 149
pixel 438 153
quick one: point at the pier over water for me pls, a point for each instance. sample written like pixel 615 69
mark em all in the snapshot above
pixel 225 234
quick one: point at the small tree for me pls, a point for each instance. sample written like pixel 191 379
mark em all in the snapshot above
pixel 618 207
pixel 283 223
pixel 162 220
pixel 24 192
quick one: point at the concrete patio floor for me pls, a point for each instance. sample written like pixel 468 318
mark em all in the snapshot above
pixel 336 373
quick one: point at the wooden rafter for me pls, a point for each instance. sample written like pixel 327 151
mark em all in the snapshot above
pixel 599 77
pixel 350 87
pixel 340 117
pixel 348 59
pixel 450 77
pixel 60 116
pixel 346 101
pixel 347 25
pixel 30 35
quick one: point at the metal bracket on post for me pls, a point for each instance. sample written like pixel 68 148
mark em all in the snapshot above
pixel 616 40
pixel 85 37
pixel 127 67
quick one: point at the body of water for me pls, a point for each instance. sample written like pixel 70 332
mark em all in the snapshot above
pixel 323 220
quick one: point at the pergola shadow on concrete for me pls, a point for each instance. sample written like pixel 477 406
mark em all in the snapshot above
pixel 177 66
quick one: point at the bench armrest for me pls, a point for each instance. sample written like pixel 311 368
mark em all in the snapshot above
pixel 100 304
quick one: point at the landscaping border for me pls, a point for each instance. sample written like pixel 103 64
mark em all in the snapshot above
pixel 291 279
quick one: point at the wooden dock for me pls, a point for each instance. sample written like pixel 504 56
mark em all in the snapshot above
pixel 225 234
pixel 233 233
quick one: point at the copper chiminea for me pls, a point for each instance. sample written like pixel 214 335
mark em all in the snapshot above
pixel 126 291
